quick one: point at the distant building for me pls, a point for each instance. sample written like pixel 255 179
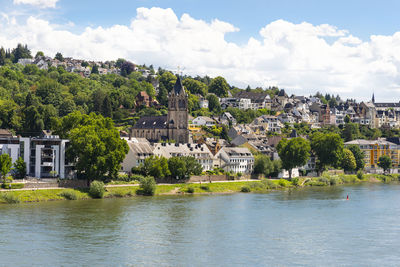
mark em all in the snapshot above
pixel 139 150
pixel 203 121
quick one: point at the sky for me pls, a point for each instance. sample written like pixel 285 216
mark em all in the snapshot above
pixel 350 48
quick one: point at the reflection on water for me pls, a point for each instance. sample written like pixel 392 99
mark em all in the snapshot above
pixel 313 226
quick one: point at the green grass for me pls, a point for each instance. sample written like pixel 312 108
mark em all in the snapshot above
pixel 255 186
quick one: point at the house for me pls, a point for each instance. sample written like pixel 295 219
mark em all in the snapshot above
pixel 203 121
pixel 143 99
pixel 203 102
pixel 9 144
pixel 235 159
pixel 253 100
pixel 139 150
pixel 199 151
pixel 270 123
pixel 227 119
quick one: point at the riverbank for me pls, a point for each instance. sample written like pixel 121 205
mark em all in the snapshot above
pixel 256 186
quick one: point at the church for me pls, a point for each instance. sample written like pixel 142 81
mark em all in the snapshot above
pixel 173 126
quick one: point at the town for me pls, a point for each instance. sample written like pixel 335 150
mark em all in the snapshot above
pixel 231 133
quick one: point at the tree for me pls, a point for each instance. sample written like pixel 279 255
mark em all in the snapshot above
pixel 263 165
pixel 21 51
pixel 2 56
pixel 177 167
pixel 168 80
pixel 385 162
pixel 293 153
pixel 183 167
pixel 59 57
pixel 20 168
pixel 162 96
pixel 156 167
pixel 350 132
pixel 328 147
pixel 219 86
pixel 95 69
pixel 106 108
pixel 95 145
pixel 127 68
pixel 213 104
pixel 348 160
pixel 5 165
pixel 195 86
pixel 358 155
pixel 39 54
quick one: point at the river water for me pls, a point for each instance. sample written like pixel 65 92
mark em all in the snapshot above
pixel 306 227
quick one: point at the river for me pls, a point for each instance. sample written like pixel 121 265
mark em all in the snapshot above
pixel 306 227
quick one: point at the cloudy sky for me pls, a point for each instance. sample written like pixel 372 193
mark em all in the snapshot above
pixel 351 48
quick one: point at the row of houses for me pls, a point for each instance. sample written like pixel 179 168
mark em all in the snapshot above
pixel 231 159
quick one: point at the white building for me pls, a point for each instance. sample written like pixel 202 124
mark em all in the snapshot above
pixel 235 159
pixel 199 151
pixel 139 150
pixel 203 121
pixel 203 103
pixel 44 156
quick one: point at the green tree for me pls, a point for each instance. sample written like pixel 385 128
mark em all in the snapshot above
pixel 106 108
pixel 156 167
pixel 219 86
pixel 192 166
pixel 59 57
pixel 195 86
pixel 147 186
pixel 358 155
pixel 348 160
pixel 385 162
pixel 213 104
pixel 20 168
pixel 95 69
pixel 162 96
pixel 5 165
pixel 2 56
pixel 293 153
pixel 95 145
pixel 21 51
pixel 350 132
pixel 177 167
pixel 168 80
pixel 328 147
pixel 39 54
pixel 263 165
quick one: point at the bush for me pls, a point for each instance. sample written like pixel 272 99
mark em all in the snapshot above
pixel 268 184
pixel 205 187
pixel 360 175
pixel 295 181
pixel 10 198
pixel 97 189
pixel 69 194
pixel 245 189
pixel 147 186
pixel 283 183
pixel 13 186
pixel 324 180
pixel 190 190
pixel 333 181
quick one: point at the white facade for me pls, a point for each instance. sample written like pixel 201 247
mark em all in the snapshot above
pixel 235 159
pixel 199 151
pixel 203 121
pixel 139 150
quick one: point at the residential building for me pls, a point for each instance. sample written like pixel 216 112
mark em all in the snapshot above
pixel 139 150
pixel 203 121
pixel 373 149
pixel 235 159
pixel 199 151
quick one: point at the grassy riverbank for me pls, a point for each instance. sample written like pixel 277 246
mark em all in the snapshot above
pixel 263 186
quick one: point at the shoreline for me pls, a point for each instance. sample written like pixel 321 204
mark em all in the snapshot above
pixel 30 195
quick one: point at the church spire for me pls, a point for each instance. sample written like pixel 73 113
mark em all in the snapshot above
pixel 373 98
pixel 178 87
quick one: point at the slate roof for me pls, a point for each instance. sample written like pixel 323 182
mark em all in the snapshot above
pixel 151 122
pixel 255 97
pixel 178 87
pixel 387 105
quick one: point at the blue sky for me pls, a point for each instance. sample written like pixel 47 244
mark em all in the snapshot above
pixel 347 47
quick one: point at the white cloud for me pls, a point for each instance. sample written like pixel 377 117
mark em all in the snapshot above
pixel 301 57
pixel 37 3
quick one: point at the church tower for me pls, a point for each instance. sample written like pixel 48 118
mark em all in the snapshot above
pixel 177 118
pixel 373 98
